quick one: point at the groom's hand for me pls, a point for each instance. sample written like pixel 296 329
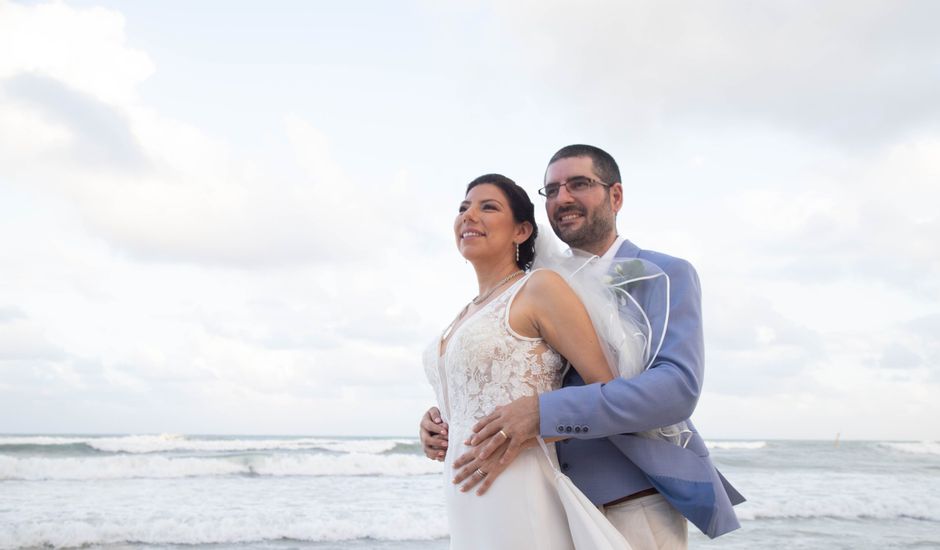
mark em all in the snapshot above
pixel 517 422
pixel 433 434
pixel 469 467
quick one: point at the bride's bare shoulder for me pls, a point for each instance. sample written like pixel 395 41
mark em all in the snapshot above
pixel 538 295
pixel 546 277
pixel 545 283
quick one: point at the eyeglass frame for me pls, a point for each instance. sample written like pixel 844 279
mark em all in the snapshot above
pixel 565 183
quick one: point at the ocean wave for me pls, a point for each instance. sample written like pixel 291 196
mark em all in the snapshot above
pixel 144 444
pixel 915 447
pixel 39 440
pixel 392 525
pixel 65 449
pixel 150 466
pixel 740 445
pixel 893 493
pixel 856 511
pixel 411 447
pixel 372 446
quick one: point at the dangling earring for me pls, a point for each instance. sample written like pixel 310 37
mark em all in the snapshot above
pixel 517 253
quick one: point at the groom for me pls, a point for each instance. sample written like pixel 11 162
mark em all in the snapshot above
pixel 646 487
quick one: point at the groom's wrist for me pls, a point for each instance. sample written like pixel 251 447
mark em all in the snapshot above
pixel 546 423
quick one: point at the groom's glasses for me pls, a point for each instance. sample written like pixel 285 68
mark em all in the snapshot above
pixel 576 186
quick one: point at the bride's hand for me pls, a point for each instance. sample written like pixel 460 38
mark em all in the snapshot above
pixel 469 465
pixel 433 435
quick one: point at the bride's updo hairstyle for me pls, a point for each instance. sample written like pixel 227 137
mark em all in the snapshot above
pixel 522 211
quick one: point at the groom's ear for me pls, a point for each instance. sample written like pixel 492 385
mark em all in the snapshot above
pixel 616 196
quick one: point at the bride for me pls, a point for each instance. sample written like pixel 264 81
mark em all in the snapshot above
pixel 512 340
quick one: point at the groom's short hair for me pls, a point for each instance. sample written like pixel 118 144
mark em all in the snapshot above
pixel 604 165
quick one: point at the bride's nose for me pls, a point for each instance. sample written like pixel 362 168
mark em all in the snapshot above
pixel 470 214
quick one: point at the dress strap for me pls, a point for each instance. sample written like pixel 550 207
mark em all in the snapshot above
pixel 512 298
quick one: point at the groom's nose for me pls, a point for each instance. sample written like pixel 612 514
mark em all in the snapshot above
pixel 563 195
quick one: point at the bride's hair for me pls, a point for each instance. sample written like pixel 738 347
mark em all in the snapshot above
pixel 522 211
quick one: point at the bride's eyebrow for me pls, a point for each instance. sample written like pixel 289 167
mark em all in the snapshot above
pixel 482 202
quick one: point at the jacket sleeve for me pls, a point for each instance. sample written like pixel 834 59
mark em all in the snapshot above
pixel 664 394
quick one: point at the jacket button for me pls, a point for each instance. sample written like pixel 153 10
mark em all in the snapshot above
pixel 561 429
pixel 584 429
pixel 568 429
pixel 577 429
pixel 564 465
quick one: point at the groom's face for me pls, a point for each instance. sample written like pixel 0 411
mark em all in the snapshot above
pixel 586 220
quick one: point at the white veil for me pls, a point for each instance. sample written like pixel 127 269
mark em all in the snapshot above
pixel 608 289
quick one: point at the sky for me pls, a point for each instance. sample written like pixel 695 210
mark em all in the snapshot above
pixel 236 218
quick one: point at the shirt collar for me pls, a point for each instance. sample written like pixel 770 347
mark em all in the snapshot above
pixel 612 251
pixel 609 255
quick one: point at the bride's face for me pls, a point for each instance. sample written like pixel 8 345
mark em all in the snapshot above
pixel 485 227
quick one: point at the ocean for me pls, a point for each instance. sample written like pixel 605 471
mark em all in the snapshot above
pixel 329 493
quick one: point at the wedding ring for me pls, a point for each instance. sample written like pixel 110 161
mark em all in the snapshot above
pixel 501 432
pixel 480 473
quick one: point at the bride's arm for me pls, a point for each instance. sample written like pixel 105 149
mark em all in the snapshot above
pixel 547 307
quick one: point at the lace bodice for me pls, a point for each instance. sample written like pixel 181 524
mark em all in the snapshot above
pixel 487 364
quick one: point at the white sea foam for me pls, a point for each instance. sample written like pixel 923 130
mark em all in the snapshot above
pixel 835 493
pixel 841 507
pixel 919 447
pixel 39 440
pixel 142 444
pixel 392 524
pixel 374 446
pixel 746 445
pixel 154 466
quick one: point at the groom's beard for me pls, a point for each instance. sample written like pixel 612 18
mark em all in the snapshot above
pixel 596 227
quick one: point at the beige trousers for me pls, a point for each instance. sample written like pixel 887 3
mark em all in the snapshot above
pixel 650 523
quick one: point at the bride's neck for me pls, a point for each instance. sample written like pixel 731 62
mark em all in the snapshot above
pixel 489 275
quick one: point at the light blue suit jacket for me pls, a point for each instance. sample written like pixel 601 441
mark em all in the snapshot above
pixel 603 458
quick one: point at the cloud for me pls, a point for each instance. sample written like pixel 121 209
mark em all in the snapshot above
pixel 86 48
pixel 745 321
pixel 189 197
pixel 22 339
pixel 100 135
pixel 898 356
pixel 9 313
pixel 922 334
pixel 843 219
pixel 852 72
pixel 876 243
pixel 198 202
pixel 751 347
pixel 927 326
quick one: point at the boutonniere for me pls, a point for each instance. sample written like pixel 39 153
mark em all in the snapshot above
pixel 624 274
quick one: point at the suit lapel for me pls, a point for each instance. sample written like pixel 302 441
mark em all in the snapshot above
pixel 627 250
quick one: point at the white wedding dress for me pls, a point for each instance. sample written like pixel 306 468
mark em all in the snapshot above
pixel 486 364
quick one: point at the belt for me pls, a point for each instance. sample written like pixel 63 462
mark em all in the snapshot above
pixel 639 494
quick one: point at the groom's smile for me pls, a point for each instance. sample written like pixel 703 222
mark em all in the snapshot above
pixel 566 216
